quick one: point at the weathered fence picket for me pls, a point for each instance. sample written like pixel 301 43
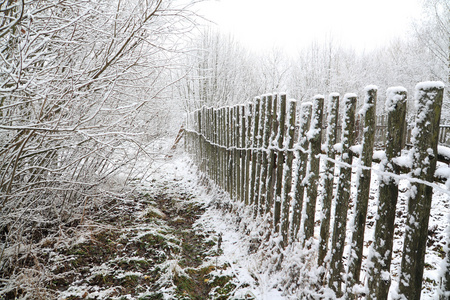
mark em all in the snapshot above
pixel 265 157
pixel 424 152
pixel 342 196
pixel 259 154
pixel 287 176
pixel 281 153
pixel 328 176
pixel 254 150
pixel 302 155
pixel 242 151
pixel 381 251
pixel 248 154
pixel 272 159
pixel 314 136
pixel 363 177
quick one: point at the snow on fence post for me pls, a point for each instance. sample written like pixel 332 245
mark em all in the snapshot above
pixel 265 155
pixel 242 151
pixel 314 136
pixel 272 157
pixel 248 153
pixel 424 152
pixel 262 115
pixel 328 177
pixel 280 163
pixel 363 178
pixel 342 196
pixel 301 158
pixel 381 250
pixel 287 176
pixel 254 149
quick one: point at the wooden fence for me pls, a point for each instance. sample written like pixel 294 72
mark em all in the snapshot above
pixel 267 154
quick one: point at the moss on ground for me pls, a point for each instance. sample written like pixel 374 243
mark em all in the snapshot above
pixel 133 258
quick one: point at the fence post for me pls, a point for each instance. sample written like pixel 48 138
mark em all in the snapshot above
pixel 381 250
pixel 301 157
pixel 242 151
pixel 280 163
pixel 237 152
pixel 265 155
pixel 259 153
pixel 363 178
pixel 272 157
pixel 225 151
pixel 424 152
pixel 248 153
pixel 230 129
pixel 287 176
pixel 228 145
pixel 232 152
pixel 217 146
pixel 208 141
pixel 199 139
pixel 254 150
pixel 222 148
pixel 205 146
pixel 314 136
pixel 328 177
pixel 342 196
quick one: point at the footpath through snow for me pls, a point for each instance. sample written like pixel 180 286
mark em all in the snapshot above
pixel 254 258
pixel 177 237
pixel 168 238
pixel 259 269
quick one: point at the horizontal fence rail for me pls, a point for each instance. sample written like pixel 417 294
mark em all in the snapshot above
pixel 267 155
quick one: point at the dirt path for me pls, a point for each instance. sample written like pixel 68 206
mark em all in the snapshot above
pixel 144 247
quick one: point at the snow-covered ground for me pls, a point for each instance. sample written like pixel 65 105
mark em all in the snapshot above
pixel 241 250
pixel 255 261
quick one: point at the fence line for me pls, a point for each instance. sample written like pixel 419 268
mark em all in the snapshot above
pixel 261 155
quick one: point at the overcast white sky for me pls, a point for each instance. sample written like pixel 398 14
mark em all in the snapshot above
pixel 293 24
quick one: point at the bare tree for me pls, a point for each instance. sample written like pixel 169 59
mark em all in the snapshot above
pixel 81 81
pixel 219 71
pixel 433 31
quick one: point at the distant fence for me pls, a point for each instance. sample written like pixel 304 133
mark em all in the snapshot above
pixel 267 155
pixel 381 130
